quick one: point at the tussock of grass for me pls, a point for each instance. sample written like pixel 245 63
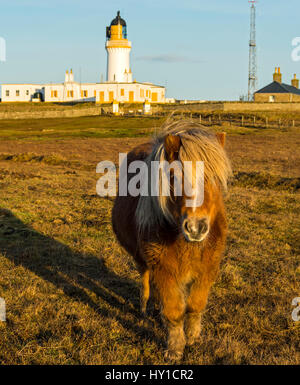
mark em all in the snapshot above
pixel 31 157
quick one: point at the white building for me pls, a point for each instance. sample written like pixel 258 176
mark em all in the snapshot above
pixel 119 84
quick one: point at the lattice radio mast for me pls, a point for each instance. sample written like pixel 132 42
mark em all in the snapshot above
pixel 252 80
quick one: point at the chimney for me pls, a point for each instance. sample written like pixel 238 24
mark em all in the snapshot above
pixel 295 82
pixel 71 76
pixel 277 76
pixel 67 76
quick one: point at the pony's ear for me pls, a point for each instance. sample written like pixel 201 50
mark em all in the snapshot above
pixel 221 136
pixel 172 145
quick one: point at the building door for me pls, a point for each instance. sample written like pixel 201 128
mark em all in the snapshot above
pixel 154 96
pixel 131 96
pixel 101 94
pixel 111 96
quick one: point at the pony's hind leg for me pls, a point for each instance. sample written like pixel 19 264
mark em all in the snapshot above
pixel 145 291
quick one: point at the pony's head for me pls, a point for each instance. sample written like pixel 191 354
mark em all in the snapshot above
pixel 194 169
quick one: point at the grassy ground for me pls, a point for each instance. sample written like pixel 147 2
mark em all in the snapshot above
pixel 72 293
pixel 82 127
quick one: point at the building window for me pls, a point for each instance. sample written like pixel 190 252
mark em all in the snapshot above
pixel 70 94
pixel 101 95
pixel 122 92
pixel 17 92
pixel 142 93
pixel 7 92
pixel 271 98
pixel 95 93
pixel 154 96
pixel 27 92
pixel 131 96
pixel 84 94
pixel 53 94
pixel 111 96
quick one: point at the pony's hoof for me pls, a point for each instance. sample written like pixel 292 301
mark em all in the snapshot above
pixel 173 355
pixel 143 310
pixel 191 340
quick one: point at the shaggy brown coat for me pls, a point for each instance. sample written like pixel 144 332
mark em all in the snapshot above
pixel 181 272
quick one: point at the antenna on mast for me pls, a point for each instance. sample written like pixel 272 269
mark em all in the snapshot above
pixel 252 79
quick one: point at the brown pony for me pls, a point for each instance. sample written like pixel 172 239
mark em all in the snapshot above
pixel 177 248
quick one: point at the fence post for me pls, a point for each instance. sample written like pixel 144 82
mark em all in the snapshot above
pixel 267 121
pixel 200 118
pixel 242 120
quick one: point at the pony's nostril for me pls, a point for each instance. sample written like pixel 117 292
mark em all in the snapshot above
pixel 186 226
pixel 190 227
pixel 203 226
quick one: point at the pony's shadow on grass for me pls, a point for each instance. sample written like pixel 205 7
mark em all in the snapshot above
pixel 74 273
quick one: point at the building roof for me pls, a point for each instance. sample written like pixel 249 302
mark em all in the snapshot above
pixel 278 88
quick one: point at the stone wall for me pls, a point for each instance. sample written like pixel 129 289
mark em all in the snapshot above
pixel 255 107
pixel 234 107
pixel 67 113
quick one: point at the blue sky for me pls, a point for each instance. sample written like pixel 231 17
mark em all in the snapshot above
pixel 198 49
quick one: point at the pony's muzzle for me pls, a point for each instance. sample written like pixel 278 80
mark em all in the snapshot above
pixel 195 229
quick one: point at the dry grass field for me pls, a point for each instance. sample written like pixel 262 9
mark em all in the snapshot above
pixel 72 293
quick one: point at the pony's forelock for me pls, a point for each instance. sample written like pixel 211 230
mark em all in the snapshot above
pixel 197 144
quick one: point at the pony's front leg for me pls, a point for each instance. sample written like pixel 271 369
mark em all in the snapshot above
pixel 173 311
pixel 145 291
pixel 196 303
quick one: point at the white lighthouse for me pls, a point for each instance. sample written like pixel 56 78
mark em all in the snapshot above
pixel 118 52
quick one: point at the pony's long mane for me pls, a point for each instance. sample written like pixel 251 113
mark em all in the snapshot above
pixel 197 144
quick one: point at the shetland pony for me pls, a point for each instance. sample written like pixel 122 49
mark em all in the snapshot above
pixel 177 248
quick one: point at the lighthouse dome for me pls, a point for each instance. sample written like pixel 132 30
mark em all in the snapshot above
pixel 118 20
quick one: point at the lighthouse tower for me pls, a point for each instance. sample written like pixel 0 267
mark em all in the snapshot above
pixel 118 52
